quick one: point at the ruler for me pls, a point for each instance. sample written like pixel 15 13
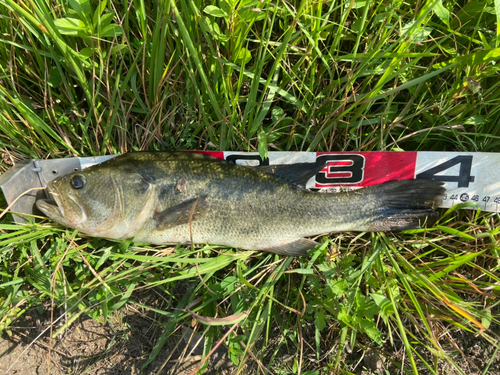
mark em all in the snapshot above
pixel 469 177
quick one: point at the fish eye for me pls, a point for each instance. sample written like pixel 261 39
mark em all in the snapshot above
pixel 78 181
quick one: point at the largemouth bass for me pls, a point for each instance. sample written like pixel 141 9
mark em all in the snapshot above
pixel 181 197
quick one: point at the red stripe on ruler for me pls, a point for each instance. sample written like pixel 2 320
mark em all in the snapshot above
pixel 366 168
pixel 215 154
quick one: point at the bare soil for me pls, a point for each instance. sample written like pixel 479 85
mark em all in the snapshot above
pixel 122 346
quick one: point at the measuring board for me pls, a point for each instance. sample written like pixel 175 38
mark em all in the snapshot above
pixel 468 176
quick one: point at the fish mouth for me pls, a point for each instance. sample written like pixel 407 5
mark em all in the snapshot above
pixel 51 202
pixel 50 208
pixel 64 209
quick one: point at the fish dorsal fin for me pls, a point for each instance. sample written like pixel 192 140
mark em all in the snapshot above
pixel 293 249
pixel 297 174
pixel 182 213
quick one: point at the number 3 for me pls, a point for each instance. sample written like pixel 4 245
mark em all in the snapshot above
pixel 352 173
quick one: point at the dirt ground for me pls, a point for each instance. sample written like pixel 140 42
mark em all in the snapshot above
pixel 120 346
pixel 123 344
pixel 92 348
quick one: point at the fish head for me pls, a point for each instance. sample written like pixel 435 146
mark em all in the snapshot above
pixel 104 200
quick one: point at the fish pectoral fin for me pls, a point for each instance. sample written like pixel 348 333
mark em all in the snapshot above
pixel 297 174
pixel 293 249
pixel 182 213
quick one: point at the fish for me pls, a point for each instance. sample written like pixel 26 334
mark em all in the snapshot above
pixel 165 198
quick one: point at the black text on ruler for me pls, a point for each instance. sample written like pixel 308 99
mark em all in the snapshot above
pixel 463 178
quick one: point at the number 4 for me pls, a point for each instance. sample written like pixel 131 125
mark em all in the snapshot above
pixel 463 179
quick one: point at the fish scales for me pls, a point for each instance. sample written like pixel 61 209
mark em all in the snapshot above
pixel 246 208
pixel 179 197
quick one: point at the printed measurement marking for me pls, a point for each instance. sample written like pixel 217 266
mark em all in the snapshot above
pixel 341 169
pixel 463 179
pixel 497 201
pixel 486 200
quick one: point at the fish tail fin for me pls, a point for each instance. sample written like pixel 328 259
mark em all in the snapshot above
pixel 406 204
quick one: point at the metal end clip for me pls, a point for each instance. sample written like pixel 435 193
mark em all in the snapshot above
pixel 32 173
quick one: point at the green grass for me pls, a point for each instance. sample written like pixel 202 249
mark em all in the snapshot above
pixel 81 78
